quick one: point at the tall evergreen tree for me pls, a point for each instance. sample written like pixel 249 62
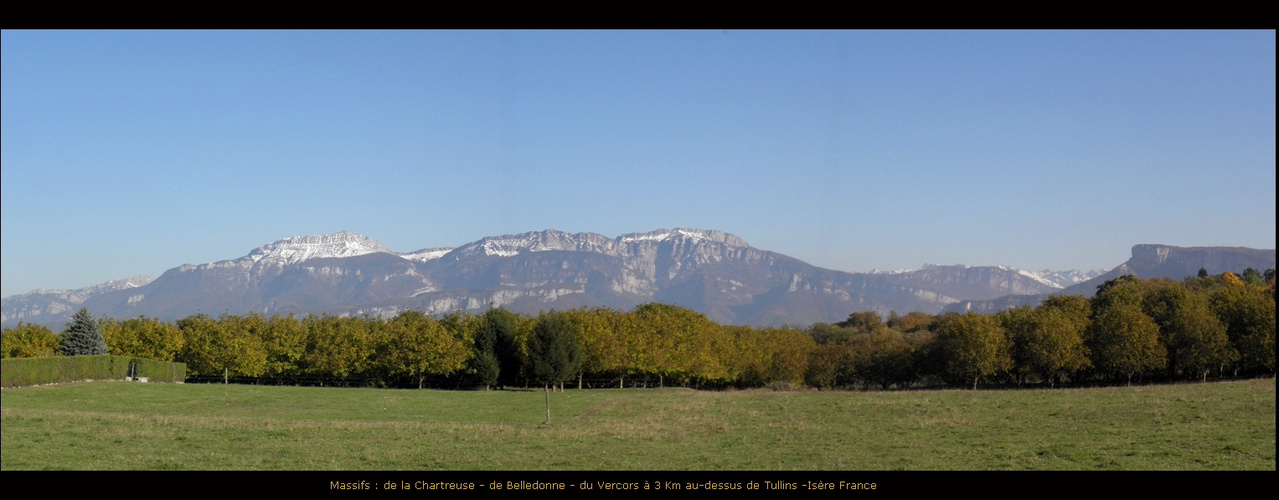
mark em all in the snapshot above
pixel 496 354
pixel 554 354
pixel 82 336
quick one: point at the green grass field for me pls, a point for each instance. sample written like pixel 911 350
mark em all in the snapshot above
pixel 119 425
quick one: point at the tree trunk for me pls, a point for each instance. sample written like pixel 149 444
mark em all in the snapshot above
pixel 226 374
pixel 547 389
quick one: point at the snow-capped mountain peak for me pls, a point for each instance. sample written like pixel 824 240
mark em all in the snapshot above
pixel 301 248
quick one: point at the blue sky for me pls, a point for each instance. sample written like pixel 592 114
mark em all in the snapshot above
pixel 132 152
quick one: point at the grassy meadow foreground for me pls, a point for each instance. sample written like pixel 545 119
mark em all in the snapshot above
pixel 118 425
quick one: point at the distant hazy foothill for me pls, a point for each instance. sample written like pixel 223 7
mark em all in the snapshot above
pixel 712 272
pixel 1148 261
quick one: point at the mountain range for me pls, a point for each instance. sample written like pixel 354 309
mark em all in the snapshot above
pixel 710 271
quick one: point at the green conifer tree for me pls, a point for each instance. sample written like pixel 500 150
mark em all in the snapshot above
pixel 554 354
pixel 82 336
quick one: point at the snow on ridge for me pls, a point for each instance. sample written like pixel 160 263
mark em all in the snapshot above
pixel 1047 277
pixel 1071 277
pixel 680 232
pixel 890 271
pixel 501 246
pixel 554 240
pixel 426 254
pixel 501 250
pixel 692 233
pixel 346 244
pixel 510 246
pixel 122 284
pixel 1037 277
pixel 110 286
pixel 659 235
pixel 301 248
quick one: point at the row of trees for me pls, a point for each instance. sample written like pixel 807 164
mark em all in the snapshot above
pixel 662 343
pixel 1131 329
pixel 1153 329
